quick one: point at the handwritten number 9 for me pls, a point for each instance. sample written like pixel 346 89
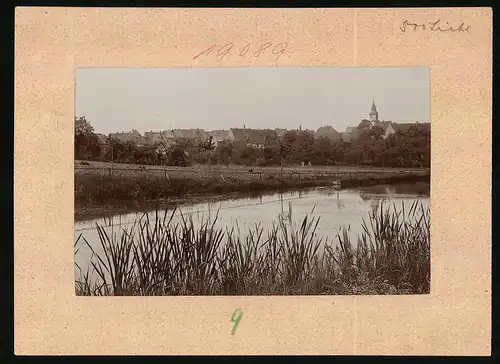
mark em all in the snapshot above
pixel 235 319
pixel 224 50
pixel 281 49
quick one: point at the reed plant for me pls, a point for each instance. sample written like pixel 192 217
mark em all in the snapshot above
pixel 171 254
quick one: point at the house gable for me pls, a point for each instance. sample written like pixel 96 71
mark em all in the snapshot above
pixel 254 137
pixel 101 138
pixel 134 136
pixel 328 132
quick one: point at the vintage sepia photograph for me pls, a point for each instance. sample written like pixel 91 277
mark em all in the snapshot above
pixel 249 181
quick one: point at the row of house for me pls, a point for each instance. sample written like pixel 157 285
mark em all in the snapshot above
pixel 258 138
pixel 254 137
pixel 151 137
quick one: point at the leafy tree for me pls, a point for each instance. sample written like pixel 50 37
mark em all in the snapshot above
pixel 209 147
pixel 86 143
pixel 82 126
pixel 161 152
pixel 273 152
pixel 224 152
pixel 177 156
pixel 244 154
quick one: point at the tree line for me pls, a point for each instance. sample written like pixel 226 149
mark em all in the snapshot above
pixel 402 149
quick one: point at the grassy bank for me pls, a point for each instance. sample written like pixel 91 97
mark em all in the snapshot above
pixel 98 191
pixel 158 256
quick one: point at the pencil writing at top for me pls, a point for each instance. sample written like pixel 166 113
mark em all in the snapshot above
pixel 248 50
pixel 435 26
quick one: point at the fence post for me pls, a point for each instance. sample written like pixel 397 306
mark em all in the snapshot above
pixel 110 171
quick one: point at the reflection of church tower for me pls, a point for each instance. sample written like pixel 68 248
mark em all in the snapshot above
pixel 374 113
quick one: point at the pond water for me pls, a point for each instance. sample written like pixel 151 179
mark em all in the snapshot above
pixel 335 208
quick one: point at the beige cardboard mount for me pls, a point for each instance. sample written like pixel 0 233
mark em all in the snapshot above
pixel 455 319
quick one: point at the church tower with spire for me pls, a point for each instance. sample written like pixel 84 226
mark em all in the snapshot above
pixel 374 112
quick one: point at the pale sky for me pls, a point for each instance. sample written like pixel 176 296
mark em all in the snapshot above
pixel 157 99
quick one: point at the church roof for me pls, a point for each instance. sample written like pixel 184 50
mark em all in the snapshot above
pixel 374 108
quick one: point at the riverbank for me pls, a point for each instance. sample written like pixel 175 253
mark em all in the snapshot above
pixel 100 194
pixel 159 255
pixel 97 195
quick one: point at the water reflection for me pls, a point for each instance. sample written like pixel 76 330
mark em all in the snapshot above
pixel 336 209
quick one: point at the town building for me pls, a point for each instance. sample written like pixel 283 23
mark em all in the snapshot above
pixel 328 132
pixel 195 136
pixel 280 132
pixel 219 136
pixel 170 137
pixel 101 138
pixel 256 138
pixel 103 143
pixel 153 137
pixel 405 127
pixel 351 134
pixel 133 136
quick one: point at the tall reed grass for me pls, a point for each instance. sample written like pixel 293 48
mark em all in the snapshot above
pixel 160 255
